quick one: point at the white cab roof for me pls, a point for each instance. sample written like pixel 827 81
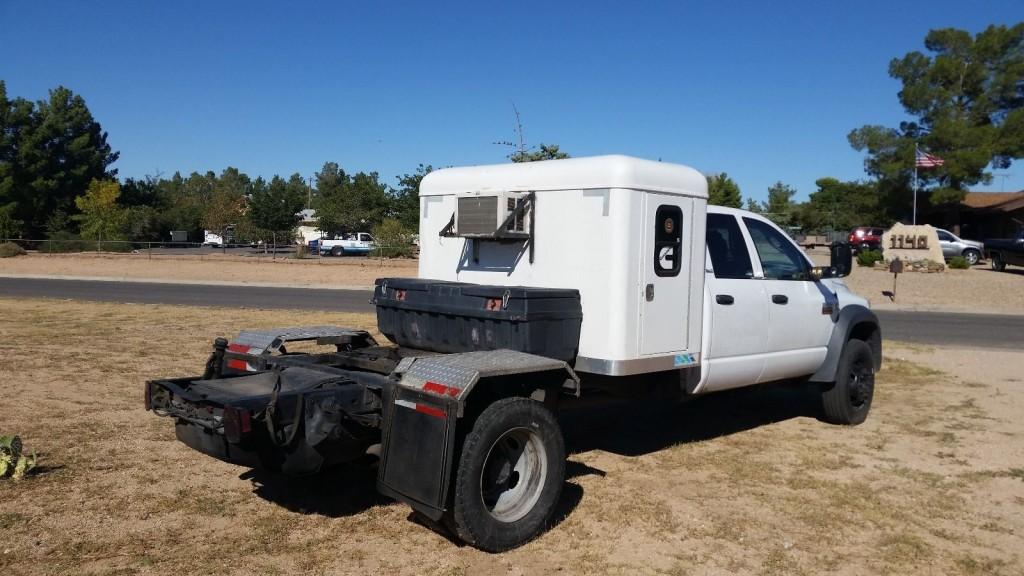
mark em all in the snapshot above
pixel 614 171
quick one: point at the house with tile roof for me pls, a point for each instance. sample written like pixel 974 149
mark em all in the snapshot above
pixel 982 215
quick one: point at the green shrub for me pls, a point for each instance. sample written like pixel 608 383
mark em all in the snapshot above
pixel 14 462
pixel 10 250
pixel 959 263
pixel 868 257
pixel 393 240
pixel 64 241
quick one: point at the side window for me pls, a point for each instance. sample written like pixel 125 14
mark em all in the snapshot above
pixel 944 236
pixel 365 238
pixel 728 251
pixel 780 259
pixel 668 240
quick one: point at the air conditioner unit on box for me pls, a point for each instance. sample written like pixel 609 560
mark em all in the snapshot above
pixel 500 215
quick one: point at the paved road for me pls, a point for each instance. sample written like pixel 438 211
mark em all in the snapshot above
pixel 190 294
pixel 936 328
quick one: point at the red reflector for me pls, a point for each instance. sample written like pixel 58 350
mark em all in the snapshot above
pixel 492 304
pixel 237 422
pixel 400 295
pixel 440 389
pixel 430 411
pixel 238 365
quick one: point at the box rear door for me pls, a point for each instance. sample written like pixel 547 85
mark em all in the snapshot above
pixel 665 273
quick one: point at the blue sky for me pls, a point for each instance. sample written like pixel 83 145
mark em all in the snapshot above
pixel 764 91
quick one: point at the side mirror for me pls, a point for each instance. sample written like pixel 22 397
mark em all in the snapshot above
pixel 842 259
pixel 841 263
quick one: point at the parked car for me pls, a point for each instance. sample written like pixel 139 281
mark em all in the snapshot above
pixel 866 238
pixel 953 246
pixel 1001 252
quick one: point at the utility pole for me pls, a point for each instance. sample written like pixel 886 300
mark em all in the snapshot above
pixel 309 194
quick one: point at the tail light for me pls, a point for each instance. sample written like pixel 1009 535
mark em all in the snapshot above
pixel 237 423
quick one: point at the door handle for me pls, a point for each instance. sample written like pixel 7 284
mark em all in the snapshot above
pixel 724 299
pixel 780 298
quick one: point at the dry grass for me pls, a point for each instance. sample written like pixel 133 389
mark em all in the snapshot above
pixel 744 482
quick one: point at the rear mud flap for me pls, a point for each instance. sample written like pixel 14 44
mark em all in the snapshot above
pixel 417 450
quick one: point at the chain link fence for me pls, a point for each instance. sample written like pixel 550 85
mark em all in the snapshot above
pixel 202 251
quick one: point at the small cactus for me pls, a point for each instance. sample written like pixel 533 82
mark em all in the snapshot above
pixel 13 462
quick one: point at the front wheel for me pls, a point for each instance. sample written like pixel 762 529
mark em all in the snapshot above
pixel 509 476
pixel 848 399
pixel 337 251
pixel 972 256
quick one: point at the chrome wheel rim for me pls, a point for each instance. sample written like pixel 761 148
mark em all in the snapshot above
pixel 513 474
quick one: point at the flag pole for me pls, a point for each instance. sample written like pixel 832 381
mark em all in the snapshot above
pixel 914 221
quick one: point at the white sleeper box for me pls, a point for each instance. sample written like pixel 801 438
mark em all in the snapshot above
pixel 597 228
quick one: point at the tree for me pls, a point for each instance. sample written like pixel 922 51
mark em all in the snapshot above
pixel 966 100
pixel 348 203
pixel 273 207
pixel 10 227
pixel 101 217
pixel 225 205
pixel 723 191
pixel 543 152
pixel 839 205
pixel 780 206
pixel 49 154
pixel 405 200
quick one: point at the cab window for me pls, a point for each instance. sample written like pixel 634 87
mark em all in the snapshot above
pixel 780 259
pixel 728 251
pixel 944 236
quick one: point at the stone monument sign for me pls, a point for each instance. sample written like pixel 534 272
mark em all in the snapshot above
pixel 911 243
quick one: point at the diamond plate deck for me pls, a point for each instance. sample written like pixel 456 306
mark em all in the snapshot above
pixel 462 371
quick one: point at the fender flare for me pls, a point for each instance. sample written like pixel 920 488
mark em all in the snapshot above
pixel 854 321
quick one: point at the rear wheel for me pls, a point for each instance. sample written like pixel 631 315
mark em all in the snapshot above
pixel 848 399
pixel 337 251
pixel 509 476
pixel 997 263
pixel 972 256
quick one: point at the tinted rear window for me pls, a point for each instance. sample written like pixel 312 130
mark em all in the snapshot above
pixel 727 248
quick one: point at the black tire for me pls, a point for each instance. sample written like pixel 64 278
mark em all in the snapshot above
pixel 848 399
pixel 510 475
pixel 972 256
pixel 997 262
pixel 337 251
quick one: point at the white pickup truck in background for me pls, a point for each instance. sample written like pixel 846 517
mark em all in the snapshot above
pixel 354 243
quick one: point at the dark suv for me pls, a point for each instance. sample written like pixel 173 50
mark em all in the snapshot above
pixel 866 238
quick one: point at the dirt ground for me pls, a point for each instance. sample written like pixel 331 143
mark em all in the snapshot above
pixel 978 289
pixel 355 271
pixel 748 482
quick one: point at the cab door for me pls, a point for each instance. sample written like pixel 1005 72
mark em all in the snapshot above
pixel 665 272
pixel 799 309
pixel 734 354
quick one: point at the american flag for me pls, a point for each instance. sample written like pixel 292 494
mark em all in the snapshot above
pixel 926 160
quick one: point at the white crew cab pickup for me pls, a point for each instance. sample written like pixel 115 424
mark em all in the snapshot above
pixel 540 285
pixel 353 243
